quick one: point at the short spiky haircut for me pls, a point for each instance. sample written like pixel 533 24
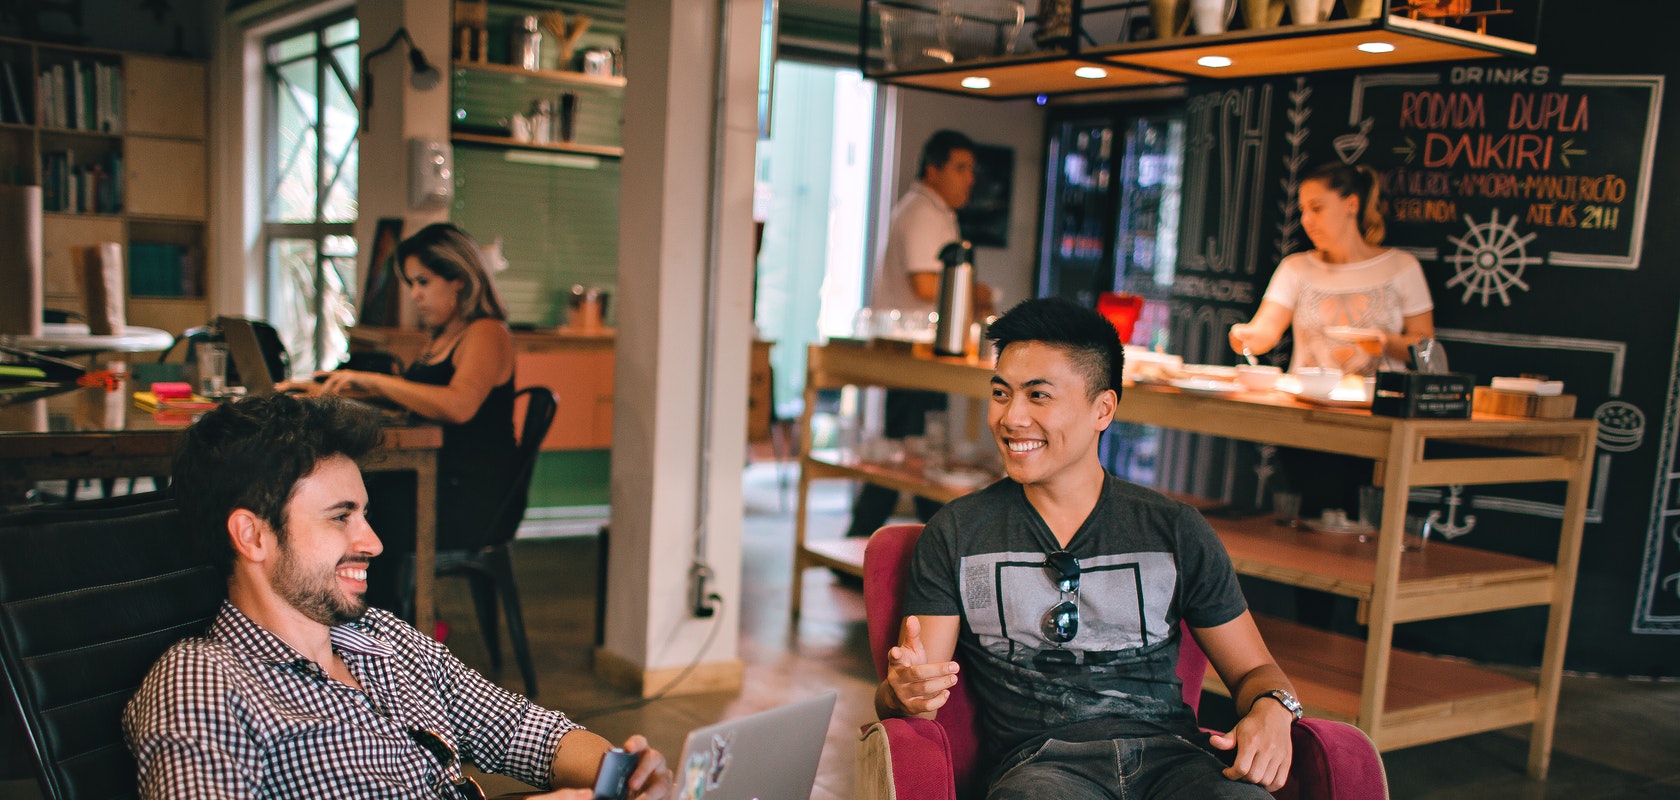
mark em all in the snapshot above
pixel 251 454
pixel 1088 339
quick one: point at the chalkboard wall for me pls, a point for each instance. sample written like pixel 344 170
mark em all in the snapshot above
pixel 1537 195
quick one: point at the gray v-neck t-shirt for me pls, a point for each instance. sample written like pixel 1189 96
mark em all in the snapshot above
pixel 1146 562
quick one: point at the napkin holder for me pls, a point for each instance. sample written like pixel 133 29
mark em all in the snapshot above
pixel 1437 395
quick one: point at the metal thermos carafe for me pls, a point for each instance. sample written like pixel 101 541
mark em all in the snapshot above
pixel 956 299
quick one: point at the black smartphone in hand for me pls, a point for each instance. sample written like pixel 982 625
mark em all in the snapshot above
pixel 612 782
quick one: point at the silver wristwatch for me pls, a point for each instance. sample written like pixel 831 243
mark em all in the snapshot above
pixel 1288 700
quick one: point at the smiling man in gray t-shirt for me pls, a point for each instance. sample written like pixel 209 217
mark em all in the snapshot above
pixel 1064 588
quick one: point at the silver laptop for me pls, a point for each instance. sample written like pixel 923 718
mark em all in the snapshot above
pixel 771 755
pixel 247 355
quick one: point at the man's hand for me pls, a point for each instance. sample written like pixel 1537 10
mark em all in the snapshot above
pixel 652 780
pixel 1261 739
pixel 918 688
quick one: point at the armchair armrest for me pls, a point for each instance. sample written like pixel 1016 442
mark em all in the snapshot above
pixel 904 758
pixel 1333 759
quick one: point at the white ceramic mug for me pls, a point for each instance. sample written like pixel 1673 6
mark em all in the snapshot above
pixel 1210 16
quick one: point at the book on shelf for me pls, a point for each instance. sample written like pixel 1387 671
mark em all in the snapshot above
pixel 81 96
pixel 69 186
pixel 11 110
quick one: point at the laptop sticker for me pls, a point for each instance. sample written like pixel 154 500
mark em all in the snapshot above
pixel 705 769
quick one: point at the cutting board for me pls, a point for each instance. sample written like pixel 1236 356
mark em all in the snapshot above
pixel 1515 404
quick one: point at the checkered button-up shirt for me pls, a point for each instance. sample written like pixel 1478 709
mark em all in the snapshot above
pixel 240 713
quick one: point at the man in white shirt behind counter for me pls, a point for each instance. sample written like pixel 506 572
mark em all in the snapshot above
pixel 907 280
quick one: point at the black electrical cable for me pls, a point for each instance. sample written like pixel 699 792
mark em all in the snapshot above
pixel 717 622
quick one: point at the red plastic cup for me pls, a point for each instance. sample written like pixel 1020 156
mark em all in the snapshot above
pixel 1121 309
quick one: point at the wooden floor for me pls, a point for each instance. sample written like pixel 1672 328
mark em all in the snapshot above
pixel 1616 738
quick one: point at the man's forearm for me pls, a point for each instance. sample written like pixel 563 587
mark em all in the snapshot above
pixel 1256 684
pixel 576 759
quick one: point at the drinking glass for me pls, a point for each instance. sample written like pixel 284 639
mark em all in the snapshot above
pixel 212 369
pixel 1417 534
pixel 1286 506
pixel 1371 506
pixel 936 439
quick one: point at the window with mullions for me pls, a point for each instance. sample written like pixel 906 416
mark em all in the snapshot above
pixel 309 201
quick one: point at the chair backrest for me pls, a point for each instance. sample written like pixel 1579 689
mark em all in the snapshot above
pixel 90 597
pixel 886 565
pixel 540 405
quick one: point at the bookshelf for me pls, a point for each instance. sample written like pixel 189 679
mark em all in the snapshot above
pixel 118 142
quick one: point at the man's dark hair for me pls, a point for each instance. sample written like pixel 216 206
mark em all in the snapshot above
pixel 251 454
pixel 1089 340
pixel 937 151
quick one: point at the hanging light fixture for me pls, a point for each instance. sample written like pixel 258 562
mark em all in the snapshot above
pixel 422 75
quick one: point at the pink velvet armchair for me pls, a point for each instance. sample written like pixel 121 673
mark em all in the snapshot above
pixel 918 758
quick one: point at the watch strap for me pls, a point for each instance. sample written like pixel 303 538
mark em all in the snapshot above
pixel 1285 699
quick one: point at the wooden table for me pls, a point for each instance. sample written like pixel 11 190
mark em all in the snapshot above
pixel 93 433
pixel 1400 699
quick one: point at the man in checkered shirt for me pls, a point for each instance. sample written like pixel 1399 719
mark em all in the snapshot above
pixel 298 689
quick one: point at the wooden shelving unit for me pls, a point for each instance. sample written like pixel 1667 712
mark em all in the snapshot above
pixel 558 77
pixel 159 135
pixel 1280 50
pixel 1399 698
pixel 552 147
pixel 509 89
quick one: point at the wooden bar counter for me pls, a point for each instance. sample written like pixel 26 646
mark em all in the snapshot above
pixel 1398 698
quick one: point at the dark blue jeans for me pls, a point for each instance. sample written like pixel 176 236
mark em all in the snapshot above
pixel 1155 767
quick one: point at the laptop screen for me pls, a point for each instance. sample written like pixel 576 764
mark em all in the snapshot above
pixel 247 355
pixel 771 754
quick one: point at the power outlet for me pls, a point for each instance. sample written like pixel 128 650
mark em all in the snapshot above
pixel 700 597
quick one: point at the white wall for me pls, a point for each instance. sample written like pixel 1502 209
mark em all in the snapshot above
pixel 1008 123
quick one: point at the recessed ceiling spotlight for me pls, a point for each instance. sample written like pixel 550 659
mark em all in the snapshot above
pixel 976 82
pixel 1214 61
pixel 1376 47
pixel 1091 72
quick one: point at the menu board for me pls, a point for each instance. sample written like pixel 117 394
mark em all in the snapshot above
pixel 1507 170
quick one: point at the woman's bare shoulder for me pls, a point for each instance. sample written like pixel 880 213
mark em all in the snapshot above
pixel 489 327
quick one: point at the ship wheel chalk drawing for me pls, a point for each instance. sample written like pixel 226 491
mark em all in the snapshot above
pixel 1621 426
pixel 1490 260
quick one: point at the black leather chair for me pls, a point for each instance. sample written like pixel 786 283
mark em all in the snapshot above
pixel 91 594
pixel 488 567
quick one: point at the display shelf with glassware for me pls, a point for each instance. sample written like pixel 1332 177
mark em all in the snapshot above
pixel 561 95
pixel 1399 698
pixel 117 142
pixel 1071 47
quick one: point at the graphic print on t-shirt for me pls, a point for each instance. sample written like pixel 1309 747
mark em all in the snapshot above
pixel 1376 307
pixel 1123 603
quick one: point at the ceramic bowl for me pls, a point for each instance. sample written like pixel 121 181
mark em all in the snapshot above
pixel 1318 381
pixel 1258 378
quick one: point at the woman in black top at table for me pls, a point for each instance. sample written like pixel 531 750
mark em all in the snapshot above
pixel 463 380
